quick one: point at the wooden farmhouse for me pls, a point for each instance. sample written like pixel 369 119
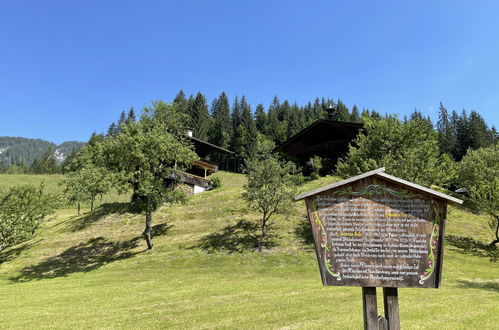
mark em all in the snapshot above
pixel 196 177
pixel 377 230
pixel 326 138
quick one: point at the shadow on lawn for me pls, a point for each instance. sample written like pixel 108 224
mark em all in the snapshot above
pixel 304 233
pixel 90 218
pixel 468 245
pixel 86 256
pixel 83 257
pixel 234 238
pixel 11 254
pixel 489 285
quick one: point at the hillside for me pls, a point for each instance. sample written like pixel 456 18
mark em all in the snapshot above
pixel 17 149
pixel 94 271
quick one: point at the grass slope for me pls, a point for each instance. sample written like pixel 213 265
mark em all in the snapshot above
pixel 93 271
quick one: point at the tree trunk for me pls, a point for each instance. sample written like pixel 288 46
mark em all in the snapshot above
pixel 79 208
pixel 101 199
pixel 494 242
pixel 264 233
pixel 147 231
pixel 92 205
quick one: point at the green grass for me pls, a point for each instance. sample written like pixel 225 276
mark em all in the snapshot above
pixel 93 271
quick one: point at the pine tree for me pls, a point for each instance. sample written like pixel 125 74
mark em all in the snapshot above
pixel 181 102
pixel 130 117
pixel 273 121
pixel 318 111
pixel 221 131
pixel 260 119
pixel 122 120
pixel 250 133
pixel 200 117
pixel 296 121
pixel 463 135
pixel 112 130
pixel 446 132
pixel 341 112
pixel 480 136
pixel 355 116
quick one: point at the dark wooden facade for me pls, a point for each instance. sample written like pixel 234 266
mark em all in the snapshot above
pixel 326 138
pixel 196 175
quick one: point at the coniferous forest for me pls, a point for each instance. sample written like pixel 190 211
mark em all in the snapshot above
pixel 236 125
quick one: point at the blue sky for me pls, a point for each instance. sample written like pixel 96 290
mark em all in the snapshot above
pixel 68 68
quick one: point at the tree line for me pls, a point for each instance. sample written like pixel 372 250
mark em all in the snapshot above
pixel 236 126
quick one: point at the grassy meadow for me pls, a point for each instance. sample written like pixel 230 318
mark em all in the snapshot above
pixel 93 271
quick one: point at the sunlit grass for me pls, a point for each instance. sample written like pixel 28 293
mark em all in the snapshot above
pixel 93 271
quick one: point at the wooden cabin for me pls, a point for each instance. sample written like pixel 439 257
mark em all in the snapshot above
pixel 326 138
pixel 196 177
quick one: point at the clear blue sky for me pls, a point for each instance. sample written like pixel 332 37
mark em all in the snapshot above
pixel 68 68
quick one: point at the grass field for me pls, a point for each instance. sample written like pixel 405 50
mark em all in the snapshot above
pixel 93 271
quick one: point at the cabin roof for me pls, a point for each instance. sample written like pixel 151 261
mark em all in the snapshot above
pixel 313 131
pixel 380 172
pixel 210 146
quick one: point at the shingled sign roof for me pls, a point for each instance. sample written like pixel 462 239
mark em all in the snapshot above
pixel 380 172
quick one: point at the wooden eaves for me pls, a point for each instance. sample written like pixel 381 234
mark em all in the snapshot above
pixel 380 172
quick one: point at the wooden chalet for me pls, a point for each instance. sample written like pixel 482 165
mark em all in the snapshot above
pixel 326 138
pixel 196 177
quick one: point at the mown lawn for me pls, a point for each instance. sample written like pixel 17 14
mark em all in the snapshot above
pixel 93 271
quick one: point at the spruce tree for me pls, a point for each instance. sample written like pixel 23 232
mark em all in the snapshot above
pixel 446 132
pixel 341 112
pixel 260 119
pixel 221 131
pixel 250 132
pixel 355 116
pixel 480 136
pixel 200 117
pixel 130 117
pixel 273 121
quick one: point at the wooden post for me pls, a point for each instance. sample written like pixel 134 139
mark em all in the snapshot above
pixel 391 302
pixel 370 308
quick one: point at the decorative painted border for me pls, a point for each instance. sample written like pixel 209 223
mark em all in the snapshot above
pixel 327 253
pixel 376 189
pixel 432 244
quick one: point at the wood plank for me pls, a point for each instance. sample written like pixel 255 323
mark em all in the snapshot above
pixel 391 304
pixel 370 308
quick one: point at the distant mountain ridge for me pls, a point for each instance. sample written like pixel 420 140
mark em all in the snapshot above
pixel 15 150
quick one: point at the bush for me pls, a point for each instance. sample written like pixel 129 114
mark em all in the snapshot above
pixel 216 182
pixel 22 209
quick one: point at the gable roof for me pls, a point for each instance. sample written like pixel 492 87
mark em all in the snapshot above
pixel 210 146
pixel 380 172
pixel 316 125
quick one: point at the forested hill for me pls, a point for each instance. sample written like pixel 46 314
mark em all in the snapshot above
pixel 14 150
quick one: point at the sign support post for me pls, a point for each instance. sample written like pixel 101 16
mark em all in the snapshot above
pixel 376 230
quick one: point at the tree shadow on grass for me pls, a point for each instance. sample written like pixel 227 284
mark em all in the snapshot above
pixel 11 254
pixel 83 257
pixel 239 237
pixel 488 285
pixel 90 218
pixel 467 245
pixel 304 233
pixel 160 229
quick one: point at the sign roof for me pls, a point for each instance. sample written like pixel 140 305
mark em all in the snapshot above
pixel 380 172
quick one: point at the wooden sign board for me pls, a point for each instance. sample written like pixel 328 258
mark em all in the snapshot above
pixel 376 230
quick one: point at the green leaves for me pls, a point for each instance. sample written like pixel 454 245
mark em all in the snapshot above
pixel 22 209
pixel 407 149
